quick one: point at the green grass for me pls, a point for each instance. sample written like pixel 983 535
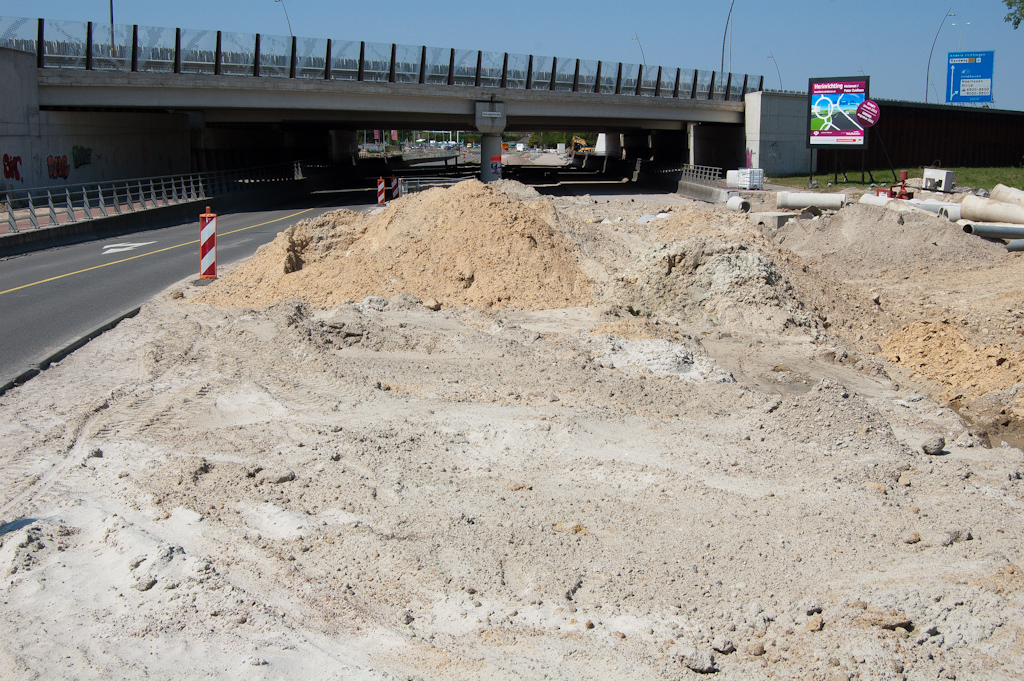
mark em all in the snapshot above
pixel 985 178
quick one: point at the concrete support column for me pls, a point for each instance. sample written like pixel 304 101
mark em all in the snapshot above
pixel 490 148
pixel 490 120
pixel 344 143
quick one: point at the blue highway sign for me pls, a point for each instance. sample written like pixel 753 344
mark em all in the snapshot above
pixel 969 77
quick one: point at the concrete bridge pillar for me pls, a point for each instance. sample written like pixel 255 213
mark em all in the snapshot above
pixel 344 143
pixel 490 120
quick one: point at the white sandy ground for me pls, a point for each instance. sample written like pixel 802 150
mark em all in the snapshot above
pixel 380 491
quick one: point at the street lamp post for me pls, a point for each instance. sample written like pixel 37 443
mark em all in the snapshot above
pixel 928 74
pixel 286 17
pixel 772 57
pixel 642 55
pixel 724 35
pixel 960 39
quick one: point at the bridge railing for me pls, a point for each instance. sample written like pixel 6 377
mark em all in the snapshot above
pixel 124 47
pixel 42 207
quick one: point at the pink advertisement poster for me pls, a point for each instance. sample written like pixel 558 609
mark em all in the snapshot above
pixel 833 112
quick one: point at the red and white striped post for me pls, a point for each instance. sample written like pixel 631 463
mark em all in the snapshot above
pixel 394 187
pixel 380 191
pixel 207 245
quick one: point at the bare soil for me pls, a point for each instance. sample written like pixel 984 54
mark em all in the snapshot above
pixel 485 434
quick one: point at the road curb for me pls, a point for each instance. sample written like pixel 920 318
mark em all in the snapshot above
pixel 44 363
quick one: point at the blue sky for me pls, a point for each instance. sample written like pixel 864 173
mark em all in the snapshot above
pixel 890 41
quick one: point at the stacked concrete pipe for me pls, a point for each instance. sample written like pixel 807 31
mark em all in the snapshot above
pixel 978 209
pixel 951 213
pixel 1008 195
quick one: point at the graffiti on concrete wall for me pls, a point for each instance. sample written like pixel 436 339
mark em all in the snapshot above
pixel 11 170
pixel 81 156
pixel 57 167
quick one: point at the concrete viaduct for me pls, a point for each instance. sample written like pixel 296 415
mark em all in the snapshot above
pixel 84 86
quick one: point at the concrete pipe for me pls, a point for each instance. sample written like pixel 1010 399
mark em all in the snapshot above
pixel 986 210
pixel 931 205
pixel 738 203
pixel 1015 245
pixel 873 200
pixel 801 200
pixel 995 230
pixel 951 213
pixel 1008 194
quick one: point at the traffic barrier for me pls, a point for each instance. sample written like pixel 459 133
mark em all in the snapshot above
pixel 207 245
pixel 394 187
pixel 380 191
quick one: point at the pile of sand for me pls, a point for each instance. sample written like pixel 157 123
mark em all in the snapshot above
pixel 469 245
pixel 716 281
pixel 863 241
pixel 938 351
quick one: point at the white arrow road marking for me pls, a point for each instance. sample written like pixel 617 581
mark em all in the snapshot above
pixel 121 248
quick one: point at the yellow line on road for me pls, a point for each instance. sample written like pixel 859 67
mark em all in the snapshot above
pixel 160 250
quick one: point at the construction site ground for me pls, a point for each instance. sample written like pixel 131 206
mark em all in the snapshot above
pixel 488 434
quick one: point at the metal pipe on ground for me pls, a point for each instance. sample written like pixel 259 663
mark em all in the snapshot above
pixel 738 203
pixel 994 230
pixel 1008 194
pixel 1015 245
pixel 801 200
pixel 951 213
pixel 975 208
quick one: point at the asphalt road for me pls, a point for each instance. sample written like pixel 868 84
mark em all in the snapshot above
pixel 51 298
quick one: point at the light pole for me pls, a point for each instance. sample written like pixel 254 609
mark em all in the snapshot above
pixel 111 28
pixel 725 34
pixel 928 73
pixel 772 57
pixel 285 17
pixel 642 55
pixel 960 39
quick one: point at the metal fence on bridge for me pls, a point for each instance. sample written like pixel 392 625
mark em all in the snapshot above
pixel 126 47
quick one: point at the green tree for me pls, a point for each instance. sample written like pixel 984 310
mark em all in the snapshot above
pixel 1016 14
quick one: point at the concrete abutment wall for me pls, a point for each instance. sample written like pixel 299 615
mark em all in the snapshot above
pixel 52 148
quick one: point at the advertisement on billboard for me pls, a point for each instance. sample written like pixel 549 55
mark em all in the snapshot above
pixel 969 77
pixel 832 106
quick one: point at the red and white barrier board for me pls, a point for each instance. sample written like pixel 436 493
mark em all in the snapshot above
pixel 207 245
pixel 380 191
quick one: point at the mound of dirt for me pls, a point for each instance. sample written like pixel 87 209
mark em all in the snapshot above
pixel 516 190
pixel 938 351
pixel 720 282
pixel 863 241
pixel 469 245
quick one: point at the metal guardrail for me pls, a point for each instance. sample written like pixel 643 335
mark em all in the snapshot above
pixel 706 175
pixel 126 47
pixel 410 185
pixel 44 207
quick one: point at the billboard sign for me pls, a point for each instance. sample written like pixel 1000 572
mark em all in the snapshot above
pixel 832 105
pixel 969 77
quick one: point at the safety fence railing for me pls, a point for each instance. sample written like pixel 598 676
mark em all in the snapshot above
pixel 410 185
pixel 44 207
pixel 706 175
pixel 127 47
